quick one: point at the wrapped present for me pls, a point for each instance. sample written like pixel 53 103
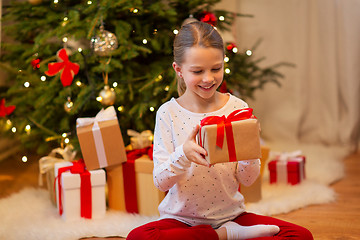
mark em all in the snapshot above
pixel 79 193
pixel 253 192
pixel 232 138
pixel 131 187
pixel 140 140
pixel 47 163
pixel 287 168
pixel 100 140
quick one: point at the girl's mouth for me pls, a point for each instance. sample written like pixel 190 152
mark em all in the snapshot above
pixel 207 87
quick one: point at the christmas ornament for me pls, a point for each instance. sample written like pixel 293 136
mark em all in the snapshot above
pixel 107 96
pixel 209 18
pixel 230 47
pixel 104 43
pixel 35 63
pixel 68 105
pixel 68 69
pixel 188 20
pixel 5 110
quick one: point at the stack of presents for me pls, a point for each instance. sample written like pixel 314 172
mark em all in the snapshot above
pixel 112 176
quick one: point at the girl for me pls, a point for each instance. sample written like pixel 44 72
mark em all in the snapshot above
pixel 203 201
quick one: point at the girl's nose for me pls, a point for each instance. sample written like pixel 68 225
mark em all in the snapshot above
pixel 208 77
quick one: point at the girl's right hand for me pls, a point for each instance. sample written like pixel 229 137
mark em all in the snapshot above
pixel 193 151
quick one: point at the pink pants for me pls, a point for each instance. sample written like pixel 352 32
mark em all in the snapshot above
pixel 166 229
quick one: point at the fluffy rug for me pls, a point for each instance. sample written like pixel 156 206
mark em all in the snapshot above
pixel 29 214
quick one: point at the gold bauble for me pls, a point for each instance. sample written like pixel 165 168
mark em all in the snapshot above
pixel 68 105
pixel 107 96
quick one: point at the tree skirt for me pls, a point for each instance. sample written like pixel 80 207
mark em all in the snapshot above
pixel 29 214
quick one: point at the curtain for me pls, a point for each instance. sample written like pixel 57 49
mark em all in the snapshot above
pixel 319 100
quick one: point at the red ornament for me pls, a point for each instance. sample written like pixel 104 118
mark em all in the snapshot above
pixel 209 18
pixel 5 110
pixel 35 63
pixel 68 69
pixel 230 47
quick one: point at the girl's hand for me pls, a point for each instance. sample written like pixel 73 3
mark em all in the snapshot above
pixel 193 151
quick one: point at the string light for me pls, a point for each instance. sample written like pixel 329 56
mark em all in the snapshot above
pixel 121 108
pixel 56 1
pixel 26 84
pixel 226 59
pixel 135 10
pixel 79 49
pixel 222 18
pixel 8 122
pixel 64 135
pixel 78 83
pixel 89 2
pixel 13 129
pixel 176 31
pixel 235 50
pixel 27 129
pixel 24 159
pixel 248 52
pixel 167 88
pixel 67 140
pixel 144 41
pixel 65 39
pixel 159 78
pixel 227 70
pixel 115 84
pixel 99 99
pixel 152 109
pixel 43 78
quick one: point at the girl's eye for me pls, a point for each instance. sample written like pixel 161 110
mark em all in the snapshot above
pixel 197 72
pixel 216 69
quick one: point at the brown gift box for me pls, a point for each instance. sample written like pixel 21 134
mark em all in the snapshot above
pixel 109 142
pixel 148 196
pixel 246 138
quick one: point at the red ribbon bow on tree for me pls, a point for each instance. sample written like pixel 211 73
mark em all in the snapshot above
pixel 68 69
pixel 5 110
pixel 224 123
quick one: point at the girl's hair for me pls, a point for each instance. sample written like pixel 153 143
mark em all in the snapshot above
pixel 198 34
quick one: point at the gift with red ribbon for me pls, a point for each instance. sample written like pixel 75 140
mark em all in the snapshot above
pixel 232 138
pixel 130 185
pixel 287 168
pixel 79 193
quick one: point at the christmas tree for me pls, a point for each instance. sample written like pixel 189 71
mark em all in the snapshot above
pixel 70 58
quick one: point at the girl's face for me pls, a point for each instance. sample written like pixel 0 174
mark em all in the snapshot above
pixel 202 71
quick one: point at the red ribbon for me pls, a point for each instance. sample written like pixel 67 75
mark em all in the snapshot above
pixel 131 203
pixel 67 68
pixel 78 167
pixel 224 124
pixel 5 110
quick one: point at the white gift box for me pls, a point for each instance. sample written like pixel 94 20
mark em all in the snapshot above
pixel 70 193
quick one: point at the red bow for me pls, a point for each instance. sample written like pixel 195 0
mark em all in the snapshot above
pixel 85 187
pixel 68 69
pixel 137 153
pixel 224 123
pixel 5 110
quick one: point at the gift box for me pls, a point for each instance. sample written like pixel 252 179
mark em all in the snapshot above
pixel 46 167
pixel 100 140
pixel 288 170
pixel 253 192
pixel 232 138
pixel 131 187
pixel 79 193
pixel 140 140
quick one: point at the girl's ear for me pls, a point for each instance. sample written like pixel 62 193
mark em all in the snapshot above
pixel 177 69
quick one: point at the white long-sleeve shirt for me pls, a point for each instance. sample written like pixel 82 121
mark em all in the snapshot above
pixel 196 194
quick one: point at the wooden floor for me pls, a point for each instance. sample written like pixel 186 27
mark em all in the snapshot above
pixel 339 220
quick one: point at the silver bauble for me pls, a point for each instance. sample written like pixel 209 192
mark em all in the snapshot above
pixel 104 42
pixel 68 105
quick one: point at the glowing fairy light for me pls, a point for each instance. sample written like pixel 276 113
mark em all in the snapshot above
pixel 248 52
pixel 65 19
pixel 24 159
pixel 56 1
pixel 43 78
pixel 226 59
pixel 115 84
pixel 79 49
pixel 65 39
pixel 66 140
pixel 227 70
pixel 152 109
pixel 176 31
pixel 13 129
pixel 64 135
pixel 26 84
pixel 135 10
pixel 167 88
pixel 222 18
pixel 99 99
pixel 235 50
pixel 144 41
pixel 78 83
pixel 89 2
pixel 121 108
